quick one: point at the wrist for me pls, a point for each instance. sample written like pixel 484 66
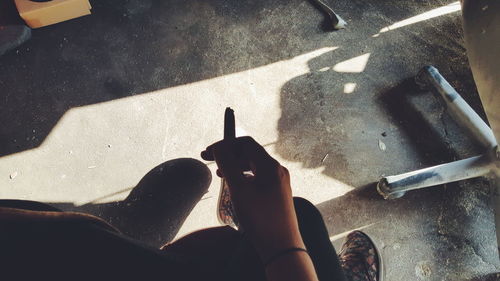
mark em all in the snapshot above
pixel 269 246
pixel 283 254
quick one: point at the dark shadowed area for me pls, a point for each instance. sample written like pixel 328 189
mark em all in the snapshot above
pixel 162 71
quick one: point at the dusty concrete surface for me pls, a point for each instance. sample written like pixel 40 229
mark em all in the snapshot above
pixel 91 105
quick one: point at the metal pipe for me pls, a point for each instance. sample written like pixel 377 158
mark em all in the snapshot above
pixel 336 21
pixel 461 112
pixel 396 186
pixel 496 203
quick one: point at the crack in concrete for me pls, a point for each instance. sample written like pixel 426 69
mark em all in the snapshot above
pixel 461 242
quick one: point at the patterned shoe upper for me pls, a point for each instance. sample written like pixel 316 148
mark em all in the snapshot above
pixel 225 210
pixel 358 258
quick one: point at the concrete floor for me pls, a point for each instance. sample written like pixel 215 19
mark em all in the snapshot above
pixel 90 105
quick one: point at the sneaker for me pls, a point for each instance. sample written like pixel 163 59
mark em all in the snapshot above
pixel 225 210
pixel 360 258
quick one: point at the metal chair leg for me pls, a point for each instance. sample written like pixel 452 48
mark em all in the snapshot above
pixel 456 106
pixel 396 186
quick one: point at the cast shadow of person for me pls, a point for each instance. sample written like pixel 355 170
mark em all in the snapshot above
pixel 125 48
pixel 335 116
pixel 329 119
pixel 356 96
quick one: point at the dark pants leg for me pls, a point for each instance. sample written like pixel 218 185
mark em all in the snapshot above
pixel 234 258
pixel 172 189
pixel 315 236
pixel 27 205
pixel 240 261
pixel 157 207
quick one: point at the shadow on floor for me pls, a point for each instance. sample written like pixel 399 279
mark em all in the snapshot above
pixel 336 116
pixel 132 47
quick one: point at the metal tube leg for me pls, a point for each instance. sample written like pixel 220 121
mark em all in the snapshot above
pixel 496 203
pixel 395 186
pixel 461 112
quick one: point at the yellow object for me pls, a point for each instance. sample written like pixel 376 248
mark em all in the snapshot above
pixel 38 14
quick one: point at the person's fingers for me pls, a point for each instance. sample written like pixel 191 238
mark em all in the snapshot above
pixel 208 153
pixel 219 173
pixel 227 162
pixel 247 143
pixel 249 155
pixel 259 160
pixel 205 155
pixel 255 152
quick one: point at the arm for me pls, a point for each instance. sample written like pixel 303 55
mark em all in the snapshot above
pixel 264 206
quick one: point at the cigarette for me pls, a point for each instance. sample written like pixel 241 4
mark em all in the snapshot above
pixel 229 124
